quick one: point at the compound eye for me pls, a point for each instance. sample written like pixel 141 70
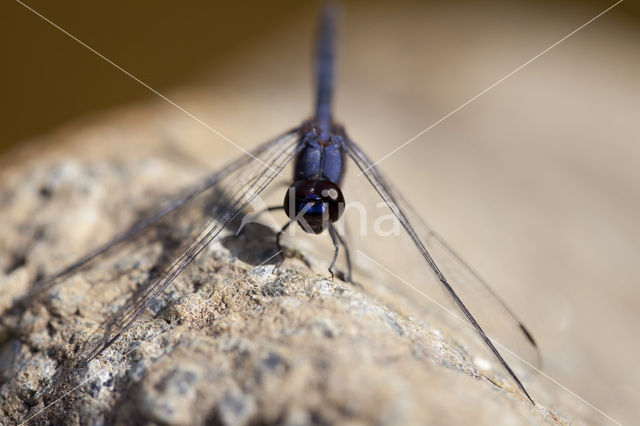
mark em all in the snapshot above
pixel 319 201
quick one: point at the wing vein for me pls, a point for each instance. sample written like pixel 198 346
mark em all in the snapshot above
pixel 111 330
pixel 379 183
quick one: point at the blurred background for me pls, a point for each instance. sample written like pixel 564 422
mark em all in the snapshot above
pixel 536 183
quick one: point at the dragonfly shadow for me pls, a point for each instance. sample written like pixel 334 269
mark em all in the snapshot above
pixel 254 245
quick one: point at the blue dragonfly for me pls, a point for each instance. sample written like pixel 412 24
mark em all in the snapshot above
pixel 319 150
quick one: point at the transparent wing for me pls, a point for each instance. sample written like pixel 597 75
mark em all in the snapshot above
pixel 228 193
pixel 485 312
pixel 256 158
pixel 174 236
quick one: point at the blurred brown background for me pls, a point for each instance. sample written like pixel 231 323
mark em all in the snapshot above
pixel 536 182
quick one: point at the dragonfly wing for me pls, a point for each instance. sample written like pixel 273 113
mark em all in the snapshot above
pixel 496 323
pixel 263 151
pixel 184 227
pixel 233 188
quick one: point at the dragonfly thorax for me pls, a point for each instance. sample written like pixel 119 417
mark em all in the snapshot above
pixel 314 204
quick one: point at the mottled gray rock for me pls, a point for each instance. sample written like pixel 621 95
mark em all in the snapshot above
pixel 230 342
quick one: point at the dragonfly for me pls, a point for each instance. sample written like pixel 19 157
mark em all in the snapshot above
pixel 319 150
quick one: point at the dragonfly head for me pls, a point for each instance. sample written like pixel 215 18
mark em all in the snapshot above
pixel 314 203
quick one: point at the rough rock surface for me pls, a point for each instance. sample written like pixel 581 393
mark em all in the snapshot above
pixel 231 342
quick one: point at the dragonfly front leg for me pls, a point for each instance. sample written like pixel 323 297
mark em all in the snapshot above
pixel 336 240
pixel 347 255
pixel 254 216
pixel 279 246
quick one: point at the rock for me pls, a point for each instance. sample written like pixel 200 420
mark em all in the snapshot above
pixel 230 342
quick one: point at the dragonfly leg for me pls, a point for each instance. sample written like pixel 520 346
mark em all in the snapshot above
pixel 279 246
pixel 346 254
pixel 259 213
pixel 336 239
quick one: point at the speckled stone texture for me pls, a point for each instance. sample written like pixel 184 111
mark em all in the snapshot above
pixel 230 342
